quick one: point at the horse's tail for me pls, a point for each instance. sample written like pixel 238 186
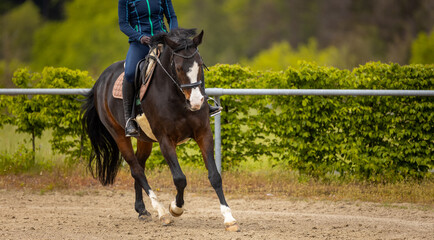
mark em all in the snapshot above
pixel 105 157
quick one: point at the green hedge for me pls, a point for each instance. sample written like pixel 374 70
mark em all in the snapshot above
pixel 365 138
pixel 378 139
pixel 60 113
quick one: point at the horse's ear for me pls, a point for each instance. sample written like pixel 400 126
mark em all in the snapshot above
pixel 198 39
pixel 170 43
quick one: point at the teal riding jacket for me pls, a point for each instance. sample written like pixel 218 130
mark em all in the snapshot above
pixel 138 18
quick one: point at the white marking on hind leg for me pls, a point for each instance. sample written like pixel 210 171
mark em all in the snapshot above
pixel 227 214
pixel 157 205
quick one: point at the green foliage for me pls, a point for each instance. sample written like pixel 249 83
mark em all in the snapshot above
pixel 4 116
pixel 89 39
pixel 281 55
pixel 61 113
pixel 16 38
pixel 363 138
pixel 366 138
pixel 240 126
pixel 17 30
pixel 422 49
pixel 64 111
pixel 20 161
pixel 26 112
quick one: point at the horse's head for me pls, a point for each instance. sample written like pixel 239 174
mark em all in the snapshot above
pixel 186 64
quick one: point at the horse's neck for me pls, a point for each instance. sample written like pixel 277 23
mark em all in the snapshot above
pixel 165 88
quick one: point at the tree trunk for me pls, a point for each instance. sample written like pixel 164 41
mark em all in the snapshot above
pixel 33 146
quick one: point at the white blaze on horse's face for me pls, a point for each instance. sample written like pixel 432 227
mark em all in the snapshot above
pixel 196 98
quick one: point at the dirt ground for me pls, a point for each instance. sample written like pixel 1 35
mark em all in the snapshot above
pixel 109 214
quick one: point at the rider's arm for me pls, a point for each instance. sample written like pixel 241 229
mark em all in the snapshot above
pixel 169 12
pixel 124 23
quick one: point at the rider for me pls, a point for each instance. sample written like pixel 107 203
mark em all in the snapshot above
pixel 139 20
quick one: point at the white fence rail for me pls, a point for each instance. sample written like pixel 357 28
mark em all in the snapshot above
pixel 225 91
pixel 217 92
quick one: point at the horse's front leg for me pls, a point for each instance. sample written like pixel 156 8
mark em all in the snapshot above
pixel 205 142
pixel 168 149
pixel 138 173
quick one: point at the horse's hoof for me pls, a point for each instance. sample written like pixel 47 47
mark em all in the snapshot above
pixel 165 220
pixel 174 210
pixel 232 227
pixel 145 216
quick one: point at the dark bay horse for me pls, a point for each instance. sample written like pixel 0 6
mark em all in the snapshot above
pixel 174 111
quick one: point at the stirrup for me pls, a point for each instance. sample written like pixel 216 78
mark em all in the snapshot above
pixel 132 134
pixel 219 108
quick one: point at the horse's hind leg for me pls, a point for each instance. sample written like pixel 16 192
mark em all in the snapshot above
pixel 143 151
pixel 205 142
pixel 138 173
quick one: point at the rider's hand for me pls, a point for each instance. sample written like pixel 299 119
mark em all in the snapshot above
pixel 145 40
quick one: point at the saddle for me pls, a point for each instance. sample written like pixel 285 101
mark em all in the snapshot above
pixel 150 63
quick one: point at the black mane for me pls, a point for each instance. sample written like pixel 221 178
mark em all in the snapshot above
pixel 182 36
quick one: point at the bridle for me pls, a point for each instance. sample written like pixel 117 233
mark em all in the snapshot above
pixel 181 87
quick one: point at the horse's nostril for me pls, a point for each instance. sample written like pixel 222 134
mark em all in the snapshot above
pixel 201 100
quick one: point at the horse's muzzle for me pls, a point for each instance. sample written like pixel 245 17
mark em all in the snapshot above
pixel 196 99
pixel 197 105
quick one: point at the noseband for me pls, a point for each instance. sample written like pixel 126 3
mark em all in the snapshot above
pixel 181 87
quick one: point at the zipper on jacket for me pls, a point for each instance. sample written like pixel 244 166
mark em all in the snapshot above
pixel 150 20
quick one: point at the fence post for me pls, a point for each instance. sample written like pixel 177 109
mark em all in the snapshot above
pixel 218 139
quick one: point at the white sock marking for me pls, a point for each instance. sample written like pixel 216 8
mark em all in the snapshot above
pixel 227 214
pixel 156 204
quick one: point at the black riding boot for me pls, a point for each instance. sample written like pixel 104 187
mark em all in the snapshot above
pixel 128 100
pixel 213 110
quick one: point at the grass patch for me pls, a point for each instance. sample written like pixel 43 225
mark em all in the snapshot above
pixel 16 155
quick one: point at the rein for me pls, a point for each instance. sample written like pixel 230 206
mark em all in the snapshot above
pixel 181 87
